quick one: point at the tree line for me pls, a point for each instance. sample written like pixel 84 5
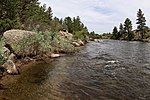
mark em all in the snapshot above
pixel 29 15
pixel 126 32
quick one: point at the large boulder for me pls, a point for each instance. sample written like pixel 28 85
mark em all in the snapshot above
pixel 11 67
pixel 17 42
pixel 14 36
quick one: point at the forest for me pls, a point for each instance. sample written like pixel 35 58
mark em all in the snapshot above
pixel 126 32
pixel 29 15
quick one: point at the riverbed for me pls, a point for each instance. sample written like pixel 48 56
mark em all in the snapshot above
pixel 104 70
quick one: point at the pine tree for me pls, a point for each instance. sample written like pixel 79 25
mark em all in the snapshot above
pixel 8 12
pixel 49 13
pixel 77 24
pixel 92 33
pixel 141 23
pixel 29 15
pixel 128 29
pixel 115 33
pixel 55 25
pixel 69 23
pixel 121 30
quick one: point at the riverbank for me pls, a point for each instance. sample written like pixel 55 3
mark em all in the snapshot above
pixel 24 66
pixel 8 81
pixel 12 79
pixel 20 48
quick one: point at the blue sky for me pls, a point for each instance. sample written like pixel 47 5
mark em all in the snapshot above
pixel 100 15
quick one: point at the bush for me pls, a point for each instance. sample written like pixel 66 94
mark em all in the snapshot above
pixel 81 35
pixel 61 44
pixel 42 43
pixel 1 57
pixel 34 45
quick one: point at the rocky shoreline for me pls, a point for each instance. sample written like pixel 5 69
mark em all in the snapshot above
pixel 15 61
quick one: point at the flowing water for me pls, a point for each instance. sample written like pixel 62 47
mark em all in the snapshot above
pixel 105 70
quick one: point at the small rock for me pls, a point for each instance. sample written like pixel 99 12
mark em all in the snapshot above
pixel 11 67
pixel 81 43
pixel 5 53
pixel 55 55
pixel 12 57
pixel 76 44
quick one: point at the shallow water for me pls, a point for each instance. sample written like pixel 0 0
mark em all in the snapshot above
pixel 105 70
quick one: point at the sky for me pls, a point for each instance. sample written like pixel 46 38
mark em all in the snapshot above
pixel 100 15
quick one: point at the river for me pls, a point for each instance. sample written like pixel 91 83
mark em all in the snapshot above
pixel 104 70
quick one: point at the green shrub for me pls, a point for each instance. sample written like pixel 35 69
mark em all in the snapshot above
pixel 34 45
pixel 61 44
pixel 1 57
pixel 42 43
pixel 82 35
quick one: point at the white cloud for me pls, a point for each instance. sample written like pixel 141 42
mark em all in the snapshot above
pixel 100 15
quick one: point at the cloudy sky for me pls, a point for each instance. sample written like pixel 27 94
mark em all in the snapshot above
pixel 100 15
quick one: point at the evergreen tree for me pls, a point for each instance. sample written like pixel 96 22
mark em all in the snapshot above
pixel 29 15
pixel 61 21
pixel 121 30
pixel 92 33
pixel 69 23
pixel 128 29
pixel 49 13
pixel 55 25
pixel 8 10
pixel 76 24
pixel 115 33
pixel 141 23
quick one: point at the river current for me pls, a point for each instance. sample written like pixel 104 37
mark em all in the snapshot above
pixel 104 70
